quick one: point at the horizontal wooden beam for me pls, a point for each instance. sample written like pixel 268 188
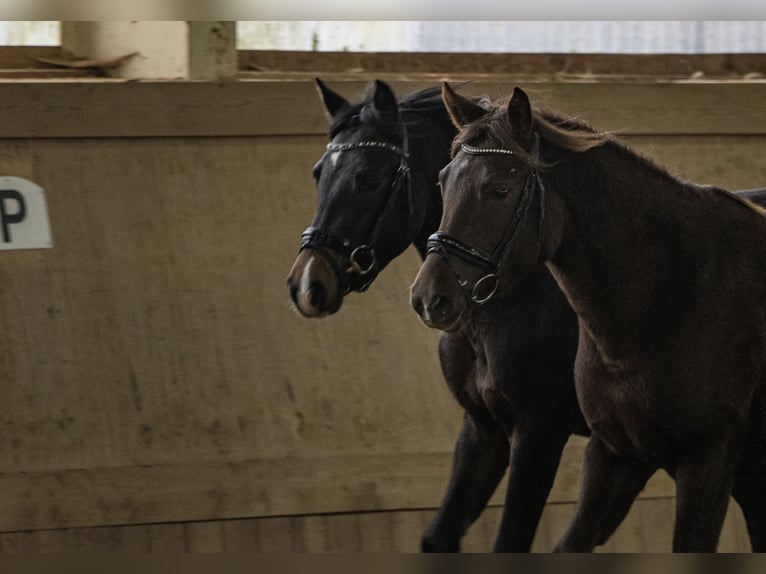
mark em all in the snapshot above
pixel 555 66
pixel 552 65
pixel 279 107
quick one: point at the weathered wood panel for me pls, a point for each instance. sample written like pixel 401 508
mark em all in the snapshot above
pixel 269 107
pixel 158 338
pixel 154 372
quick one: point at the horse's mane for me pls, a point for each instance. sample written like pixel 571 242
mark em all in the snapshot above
pixel 424 111
pixel 730 196
pixel 570 134
pixel 343 118
pixel 427 100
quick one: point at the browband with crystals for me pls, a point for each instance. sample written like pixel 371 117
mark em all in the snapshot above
pixel 381 145
pixel 469 149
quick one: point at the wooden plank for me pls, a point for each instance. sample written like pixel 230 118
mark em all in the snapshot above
pixel 251 488
pixel 232 490
pixel 204 536
pixel 45 73
pixel 192 492
pixel 555 66
pixel 271 107
pixel 725 161
pixel 164 538
pixel 648 528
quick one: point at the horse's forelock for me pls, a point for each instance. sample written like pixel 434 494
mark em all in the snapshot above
pixel 495 127
pixel 365 115
pixel 342 120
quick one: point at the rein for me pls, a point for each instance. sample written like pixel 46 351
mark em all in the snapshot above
pixel 447 245
pixel 362 261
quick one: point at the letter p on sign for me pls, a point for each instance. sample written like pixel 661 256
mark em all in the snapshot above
pixel 23 215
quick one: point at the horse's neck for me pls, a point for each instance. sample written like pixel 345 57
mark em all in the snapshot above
pixel 429 153
pixel 622 247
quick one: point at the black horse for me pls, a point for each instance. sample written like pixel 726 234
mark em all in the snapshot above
pixel 377 194
pixel 510 366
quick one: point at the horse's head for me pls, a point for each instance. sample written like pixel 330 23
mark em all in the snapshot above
pixel 364 214
pixel 498 222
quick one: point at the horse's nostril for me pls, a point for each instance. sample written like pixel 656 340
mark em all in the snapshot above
pixel 293 288
pixel 318 294
pixel 438 304
pixel 417 305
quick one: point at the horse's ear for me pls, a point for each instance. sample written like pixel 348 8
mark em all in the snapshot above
pixel 333 102
pixel 384 100
pixel 520 116
pixel 462 110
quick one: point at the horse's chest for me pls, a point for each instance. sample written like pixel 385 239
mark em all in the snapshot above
pixel 499 406
pixel 490 395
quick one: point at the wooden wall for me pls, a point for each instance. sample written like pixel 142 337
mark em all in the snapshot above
pixel 159 391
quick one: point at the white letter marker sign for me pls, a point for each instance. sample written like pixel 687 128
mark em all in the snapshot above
pixel 23 215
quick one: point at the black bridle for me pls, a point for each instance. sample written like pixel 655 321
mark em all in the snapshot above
pixel 447 245
pixel 362 262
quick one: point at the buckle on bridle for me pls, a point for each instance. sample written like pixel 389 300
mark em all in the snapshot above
pixel 362 260
pixel 476 296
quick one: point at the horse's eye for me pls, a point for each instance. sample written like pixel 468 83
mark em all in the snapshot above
pixel 500 193
pixel 317 170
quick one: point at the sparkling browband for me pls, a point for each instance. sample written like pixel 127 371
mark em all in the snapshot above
pixel 381 145
pixel 469 149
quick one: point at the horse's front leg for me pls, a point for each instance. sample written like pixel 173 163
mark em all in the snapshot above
pixel 481 457
pixel 611 482
pixel 704 479
pixel 534 458
pixel 481 452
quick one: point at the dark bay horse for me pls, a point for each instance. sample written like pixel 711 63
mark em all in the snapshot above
pixel 377 193
pixel 668 280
